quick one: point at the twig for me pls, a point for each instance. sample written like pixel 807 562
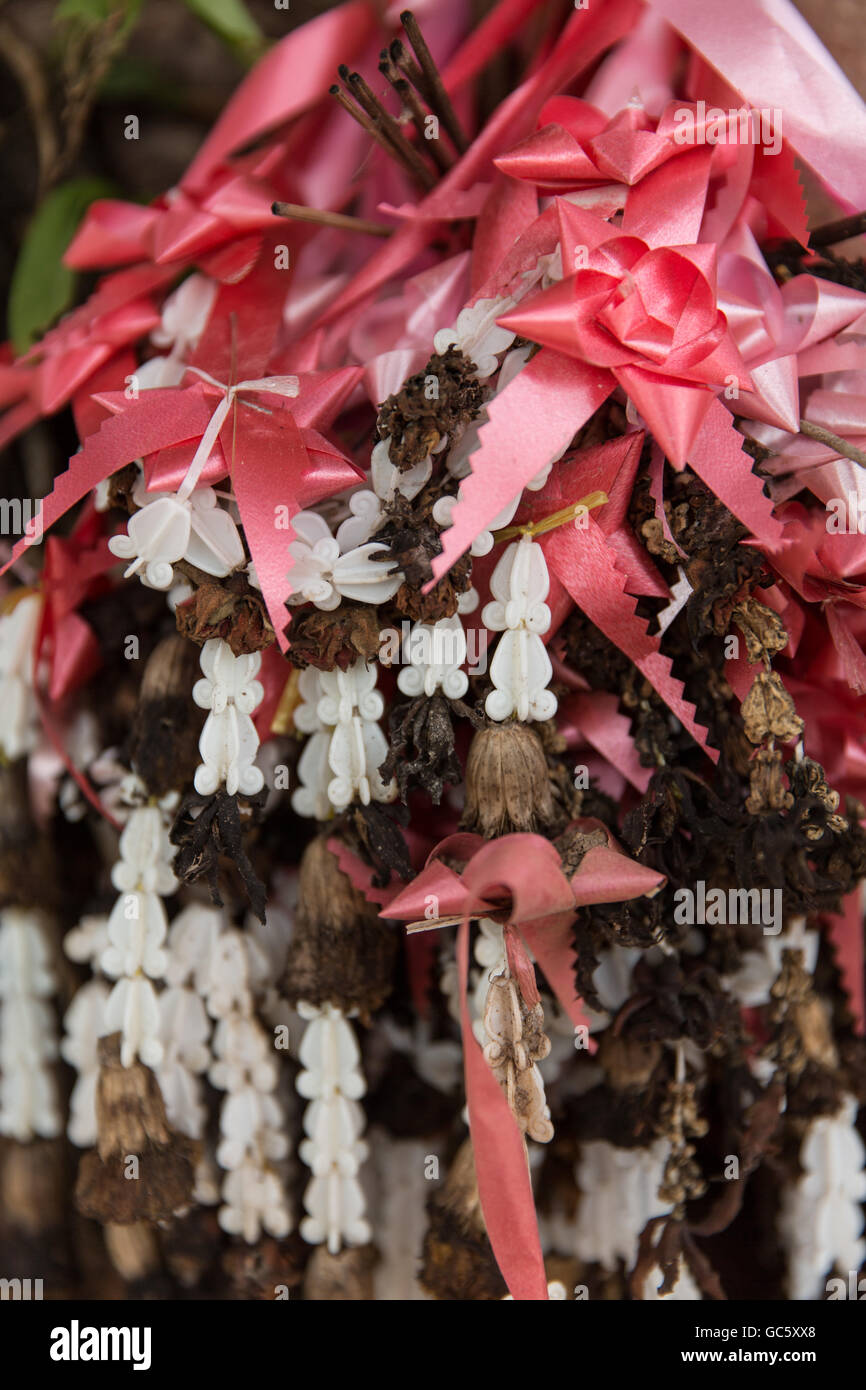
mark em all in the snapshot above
pixel 405 152
pixel 32 80
pixel 330 219
pixel 412 104
pixel 438 99
pixel 834 441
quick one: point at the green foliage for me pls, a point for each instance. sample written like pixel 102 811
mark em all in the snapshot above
pixel 42 286
pixel 92 14
pixel 234 24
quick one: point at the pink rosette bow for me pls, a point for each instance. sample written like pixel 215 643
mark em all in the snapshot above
pixel 646 316
pixel 518 880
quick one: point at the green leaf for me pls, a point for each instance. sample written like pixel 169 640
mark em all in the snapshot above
pixel 42 286
pixel 232 21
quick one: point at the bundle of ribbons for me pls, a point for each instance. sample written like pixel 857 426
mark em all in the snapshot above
pixel 432 830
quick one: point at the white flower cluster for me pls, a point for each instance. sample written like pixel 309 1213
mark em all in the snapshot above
pixel 821 1221
pixel 229 742
pixel 137 929
pixel 520 669
pixel 210 976
pixel 28 1034
pixel 251 1118
pixel 478 336
pixel 619 1190
pixel 324 575
pixel 435 652
pixel 18 632
pixel 169 527
pixel 83 1027
pixel 333 1122
pixel 346 747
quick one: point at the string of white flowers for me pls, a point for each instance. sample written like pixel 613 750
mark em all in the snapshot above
pixel 252 1121
pixel 521 668
pixel 18 632
pixel 137 929
pixel 346 747
pixel 84 1025
pixel 333 1122
pixel 28 1032
pixel 821 1220
pixel 619 1195
pixel 228 742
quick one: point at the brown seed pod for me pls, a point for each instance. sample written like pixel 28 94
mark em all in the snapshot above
pixel 342 952
pixel 458 1261
pixel 164 741
pixel 133 1250
pixel 508 786
pixel 341 1278
pixel 132 1124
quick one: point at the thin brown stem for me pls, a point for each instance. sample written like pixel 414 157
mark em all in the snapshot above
pixel 413 106
pixel 833 441
pixel 406 153
pixel 323 218
pixel 29 74
pixel 441 102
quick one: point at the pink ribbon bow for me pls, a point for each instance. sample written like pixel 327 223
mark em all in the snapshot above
pixel 519 881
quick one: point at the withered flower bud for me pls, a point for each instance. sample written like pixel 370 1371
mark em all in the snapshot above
pixel 164 740
pixel 346 1277
pixel 768 711
pixel 763 629
pixel 458 1260
pixel 767 789
pixel 342 952
pixel 132 1125
pixel 231 610
pixel 508 786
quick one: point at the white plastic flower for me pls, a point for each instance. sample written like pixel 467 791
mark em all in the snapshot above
pixel 132 1009
pixel 228 743
pixel 28 1035
pixel 619 1195
pixel 18 632
pixel 167 529
pixel 333 1122
pixel 321 575
pixel 477 334
pixel 821 1221
pixel 520 669
pixel 83 1023
pixel 435 652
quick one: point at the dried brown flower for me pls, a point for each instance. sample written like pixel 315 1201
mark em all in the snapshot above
pixel 335 639
pixel 132 1124
pixel 767 789
pixel 207 828
pixel 768 710
pixel 419 414
pixel 230 609
pixel 422 750
pixel 763 629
